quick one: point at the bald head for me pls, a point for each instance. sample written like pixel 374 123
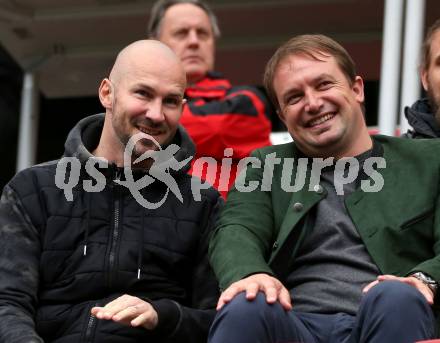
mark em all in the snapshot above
pixel 144 94
pixel 143 55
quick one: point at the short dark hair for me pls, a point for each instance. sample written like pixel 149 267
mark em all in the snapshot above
pixel 426 47
pixel 160 7
pixel 313 46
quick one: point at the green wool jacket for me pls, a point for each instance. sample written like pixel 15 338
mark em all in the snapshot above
pixel 259 231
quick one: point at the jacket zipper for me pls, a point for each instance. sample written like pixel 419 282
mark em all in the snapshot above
pixel 90 326
pixel 115 232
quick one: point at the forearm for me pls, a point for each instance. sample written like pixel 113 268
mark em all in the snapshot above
pixel 241 243
pixel 232 244
pixel 17 326
pixel 19 249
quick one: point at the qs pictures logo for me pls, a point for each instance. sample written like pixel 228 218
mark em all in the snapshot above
pixel 163 161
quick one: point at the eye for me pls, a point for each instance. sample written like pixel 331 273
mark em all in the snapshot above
pixel 172 102
pixel 203 34
pixel 181 33
pixel 325 84
pixel 143 93
pixel 293 99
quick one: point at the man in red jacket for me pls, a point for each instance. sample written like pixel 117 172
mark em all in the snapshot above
pixel 225 122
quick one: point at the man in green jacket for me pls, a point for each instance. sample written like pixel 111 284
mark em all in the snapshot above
pixel 335 237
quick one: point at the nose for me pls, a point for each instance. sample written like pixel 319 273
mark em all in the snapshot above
pixel 313 102
pixel 154 111
pixel 193 38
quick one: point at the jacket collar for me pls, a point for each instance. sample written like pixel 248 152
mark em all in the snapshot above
pixel 84 138
pixel 212 86
pixel 421 118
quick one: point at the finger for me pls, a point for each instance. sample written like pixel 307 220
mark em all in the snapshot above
pixel 127 314
pixel 108 312
pixel 95 310
pixel 271 290
pixel 252 291
pixel 232 291
pixel 388 277
pixel 229 294
pixel 369 286
pixel 428 296
pixel 117 305
pixel 220 304
pixel 147 319
pixel 224 299
pixel 121 303
pixel 285 299
pixel 426 292
pixel 100 313
pixel 421 287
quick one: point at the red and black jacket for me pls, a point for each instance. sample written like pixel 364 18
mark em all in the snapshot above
pixel 219 116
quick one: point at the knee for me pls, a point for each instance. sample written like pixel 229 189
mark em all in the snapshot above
pixel 247 321
pixel 396 296
pixel 240 309
pixel 394 308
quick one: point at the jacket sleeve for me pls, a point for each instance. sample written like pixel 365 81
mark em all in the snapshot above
pixel 431 266
pixel 19 260
pixel 245 229
pixel 186 324
pixel 240 120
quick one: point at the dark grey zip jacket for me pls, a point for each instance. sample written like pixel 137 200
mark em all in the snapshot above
pixel 59 258
pixel 421 118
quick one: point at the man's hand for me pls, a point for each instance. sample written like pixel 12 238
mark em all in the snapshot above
pixel 128 310
pixel 410 280
pixel 267 284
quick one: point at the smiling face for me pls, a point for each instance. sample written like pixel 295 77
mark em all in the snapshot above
pixel 187 30
pixel 431 75
pixel 320 107
pixel 145 94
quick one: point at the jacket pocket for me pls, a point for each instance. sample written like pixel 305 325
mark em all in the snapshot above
pixel 417 219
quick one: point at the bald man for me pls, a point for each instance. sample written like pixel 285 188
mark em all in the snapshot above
pixel 94 248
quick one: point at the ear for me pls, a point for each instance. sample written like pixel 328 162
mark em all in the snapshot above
pixel 358 89
pixel 106 94
pixel 424 79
